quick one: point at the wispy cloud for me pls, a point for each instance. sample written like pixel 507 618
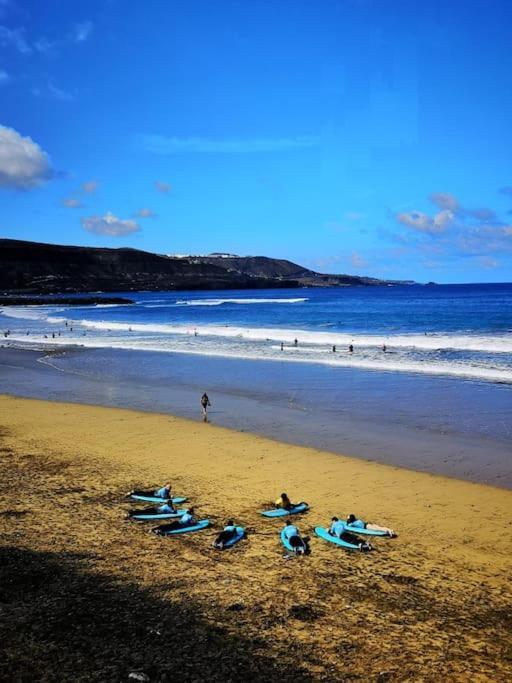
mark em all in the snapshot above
pixel 165 188
pixel 50 90
pixel 159 144
pixel 109 225
pixel 23 164
pixel 15 38
pixel 445 200
pixel 145 213
pixel 90 186
pixel 81 32
pixel 72 203
pixel 357 260
pixel 4 77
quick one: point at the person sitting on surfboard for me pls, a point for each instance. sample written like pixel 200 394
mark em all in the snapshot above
pixel 300 545
pixel 225 535
pixel 339 530
pixel 359 524
pixel 284 502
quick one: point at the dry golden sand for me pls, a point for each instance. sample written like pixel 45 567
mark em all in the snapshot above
pixel 85 595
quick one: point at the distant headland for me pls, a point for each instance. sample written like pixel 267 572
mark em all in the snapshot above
pixel 38 268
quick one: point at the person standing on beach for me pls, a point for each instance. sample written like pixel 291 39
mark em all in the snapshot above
pixel 205 402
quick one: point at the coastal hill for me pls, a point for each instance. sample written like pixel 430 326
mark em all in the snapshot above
pixel 34 267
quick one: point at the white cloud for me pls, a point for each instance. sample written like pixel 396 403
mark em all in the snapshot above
pixel 23 164
pixel 443 220
pixel 488 262
pixel 72 203
pixel 146 213
pixel 109 225
pixel 422 222
pixel 445 200
pixel 81 31
pixel 162 187
pixel 357 260
pixel 159 144
pixel 46 46
pixel 14 38
pixel 90 186
pixel 52 91
pixel 4 77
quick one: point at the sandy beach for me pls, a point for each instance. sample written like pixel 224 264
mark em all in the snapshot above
pixel 89 596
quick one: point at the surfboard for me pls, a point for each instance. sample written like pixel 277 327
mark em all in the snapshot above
pixel 156 499
pixel 286 543
pixel 141 517
pixel 364 532
pixel 184 530
pixel 240 532
pixel 280 512
pixel 323 533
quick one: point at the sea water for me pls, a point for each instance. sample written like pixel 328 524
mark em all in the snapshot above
pixel 458 331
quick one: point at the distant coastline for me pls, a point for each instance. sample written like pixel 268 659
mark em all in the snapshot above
pixel 38 268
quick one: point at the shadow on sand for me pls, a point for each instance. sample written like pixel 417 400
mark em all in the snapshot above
pixel 60 621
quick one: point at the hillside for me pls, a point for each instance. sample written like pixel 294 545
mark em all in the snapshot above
pixel 33 267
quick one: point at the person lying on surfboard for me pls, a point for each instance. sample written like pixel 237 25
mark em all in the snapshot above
pixel 166 508
pixel 358 523
pixel 225 535
pixel 299 544
pixel 188 519
pixel 164 493
pixel 339 530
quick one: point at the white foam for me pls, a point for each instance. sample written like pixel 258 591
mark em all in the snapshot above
pixel 219 302
pixel 386 362
pixel 485 343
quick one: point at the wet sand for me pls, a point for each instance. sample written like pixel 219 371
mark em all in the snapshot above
pixel 94 597
pixel 444 426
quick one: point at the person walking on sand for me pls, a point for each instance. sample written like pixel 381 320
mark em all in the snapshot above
pixel 205 403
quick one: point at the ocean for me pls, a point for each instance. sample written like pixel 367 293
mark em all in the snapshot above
pixel 438 399
pixel 462 331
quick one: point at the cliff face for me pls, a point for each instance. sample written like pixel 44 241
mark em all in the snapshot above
pixel 33 267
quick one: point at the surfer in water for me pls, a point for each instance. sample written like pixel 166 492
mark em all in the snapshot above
pixel 359 524
pixel 205 403
pixel 225 535
pixel 339 530
pixel 300 545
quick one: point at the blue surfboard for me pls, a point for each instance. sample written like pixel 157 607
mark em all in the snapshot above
pixel 184 530
pixel 141 517
pixel 323 533
pixel 286 543
pixel 240 533
pixel 156 499
pixel 281 512
pixel 364 532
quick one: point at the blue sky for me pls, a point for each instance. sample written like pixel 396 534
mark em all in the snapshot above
pixel 361 136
